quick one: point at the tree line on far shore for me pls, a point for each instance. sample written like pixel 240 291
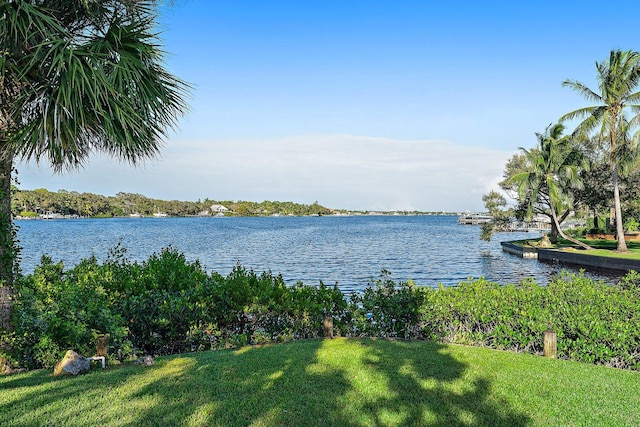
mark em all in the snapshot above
pixel 31 203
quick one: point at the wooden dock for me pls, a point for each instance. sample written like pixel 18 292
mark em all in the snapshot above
pixel 474 219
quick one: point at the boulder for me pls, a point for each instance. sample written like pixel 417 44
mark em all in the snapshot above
pixel 545 242
pixel 72 363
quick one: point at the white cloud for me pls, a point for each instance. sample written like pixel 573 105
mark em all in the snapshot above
pixel 340 171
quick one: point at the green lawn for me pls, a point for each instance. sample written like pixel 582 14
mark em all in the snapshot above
pixel 607 248
pixel 601 247
pixel 355 382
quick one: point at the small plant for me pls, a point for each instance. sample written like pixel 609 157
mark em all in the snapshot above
pixel 631 282
pixel 631 225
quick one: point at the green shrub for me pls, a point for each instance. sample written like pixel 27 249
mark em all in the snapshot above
pixel 56 311
pixel 263 307
pixel 168 304
pixel 158 298
pixel 387 309
pixel 631 282
pixel 595 322
pixel 480 312
pixel 631 225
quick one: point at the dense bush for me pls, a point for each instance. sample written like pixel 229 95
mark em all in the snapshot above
pixel 595 322
pixel 57 310
pixel 168 305
pixel 387 309
pixel 164 305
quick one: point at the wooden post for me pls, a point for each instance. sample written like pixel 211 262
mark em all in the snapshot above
pixel 103 345
pixel 327 325
pixel 550 344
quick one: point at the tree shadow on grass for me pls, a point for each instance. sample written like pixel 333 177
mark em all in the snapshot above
pixel 333 382
pixel 39 398
pixel 263 385
pixel 345 382
pixel 431 387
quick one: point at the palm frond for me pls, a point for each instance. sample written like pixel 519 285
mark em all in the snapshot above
pixel 583 90
pixel 593 118
pixel 103 91
pixel 552 170
pixel 579 113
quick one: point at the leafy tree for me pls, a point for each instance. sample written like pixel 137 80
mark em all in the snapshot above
pixel 552 169
pixel 596 192
pixel 630 194
pixel 76 77
pixel 494 203
pixel 618 81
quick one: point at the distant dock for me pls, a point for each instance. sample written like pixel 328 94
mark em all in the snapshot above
pixel 513 225
pixel 474 219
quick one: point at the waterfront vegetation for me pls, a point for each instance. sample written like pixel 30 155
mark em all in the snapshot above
pixel 350 382
pixel 592 169
pixel 168 305
pixel 29 203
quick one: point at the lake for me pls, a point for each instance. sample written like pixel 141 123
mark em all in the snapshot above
pixel 349 251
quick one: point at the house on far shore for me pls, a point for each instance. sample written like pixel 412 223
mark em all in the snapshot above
pixel 218 209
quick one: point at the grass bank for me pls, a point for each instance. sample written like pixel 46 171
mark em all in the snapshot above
pixel 348 382
pixel 608 247
pixel 601 247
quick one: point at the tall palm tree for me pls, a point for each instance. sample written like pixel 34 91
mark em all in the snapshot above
pixel 552 170
pixel 78 77
pixel 617 98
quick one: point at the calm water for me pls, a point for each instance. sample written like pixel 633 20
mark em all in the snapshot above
pixel 347 250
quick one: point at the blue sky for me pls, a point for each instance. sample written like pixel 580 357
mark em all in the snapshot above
pixel 361 104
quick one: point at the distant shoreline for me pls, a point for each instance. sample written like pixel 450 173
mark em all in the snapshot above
pixel 45 204
pixel 349 214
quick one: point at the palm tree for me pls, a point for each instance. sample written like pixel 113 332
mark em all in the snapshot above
pixel 552 170
pixel 77 77
pixel 618 80
pixel 518 164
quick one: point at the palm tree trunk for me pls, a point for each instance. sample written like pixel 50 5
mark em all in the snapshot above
pixel 553 234
pixel 555 225
pixel 622 245
pixel 564 236
pixel 8 252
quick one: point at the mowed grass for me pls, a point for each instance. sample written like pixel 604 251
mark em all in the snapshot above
pixel 600 247
pixel 607 248
pixel 340 382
